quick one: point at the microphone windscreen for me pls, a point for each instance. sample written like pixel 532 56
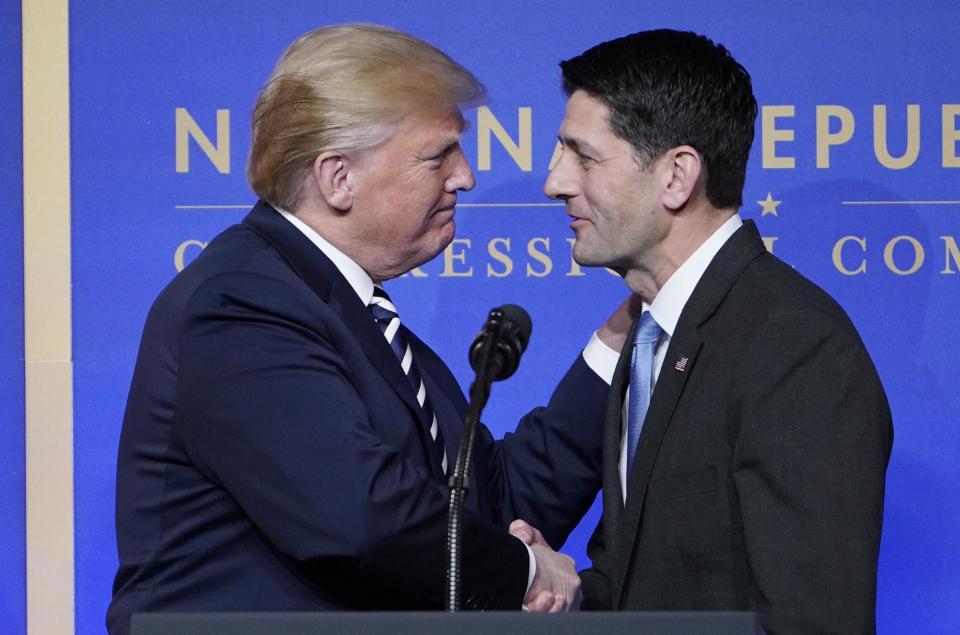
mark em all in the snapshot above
pixel 520 319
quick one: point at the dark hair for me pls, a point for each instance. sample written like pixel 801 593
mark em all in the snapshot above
pixel 669 88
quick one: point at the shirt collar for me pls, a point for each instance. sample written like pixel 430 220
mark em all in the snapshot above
pixel 354 273
pixel 673 296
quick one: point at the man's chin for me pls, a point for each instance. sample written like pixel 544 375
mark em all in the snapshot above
pixel 444 237
pixel 586 257
pixel 448 231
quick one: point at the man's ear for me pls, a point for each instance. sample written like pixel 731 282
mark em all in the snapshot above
pixel 680 169
pixel 330 171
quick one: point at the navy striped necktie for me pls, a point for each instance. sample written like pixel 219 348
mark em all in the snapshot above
pixel 385 314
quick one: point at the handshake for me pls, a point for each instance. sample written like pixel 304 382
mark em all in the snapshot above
pixel 556 585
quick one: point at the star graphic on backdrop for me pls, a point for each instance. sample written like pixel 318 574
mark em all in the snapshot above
pixel 768 205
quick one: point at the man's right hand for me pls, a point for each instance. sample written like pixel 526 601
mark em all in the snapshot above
pixel 556 585
pixel 614 331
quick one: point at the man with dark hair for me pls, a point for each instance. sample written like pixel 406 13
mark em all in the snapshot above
pixel 748 434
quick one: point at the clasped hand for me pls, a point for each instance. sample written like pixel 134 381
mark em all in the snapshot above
pixel 556 585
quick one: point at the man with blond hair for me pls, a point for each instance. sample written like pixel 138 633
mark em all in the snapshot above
pixel 287 440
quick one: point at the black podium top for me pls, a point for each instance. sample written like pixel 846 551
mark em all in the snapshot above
pixel 493 623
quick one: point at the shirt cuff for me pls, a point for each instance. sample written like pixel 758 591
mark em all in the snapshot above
pixel 532 569
pixel 601 358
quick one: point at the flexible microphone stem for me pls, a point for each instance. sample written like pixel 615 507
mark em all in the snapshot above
pixel 479 393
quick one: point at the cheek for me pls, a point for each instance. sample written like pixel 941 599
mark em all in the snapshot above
pixel 424 191
pixel 421 180
pixel 618 200
pixel 600 195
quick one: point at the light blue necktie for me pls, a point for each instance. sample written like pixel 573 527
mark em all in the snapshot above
pixel 645 340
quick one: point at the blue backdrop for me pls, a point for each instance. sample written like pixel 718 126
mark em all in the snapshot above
pixel 12 527
pixel 850 217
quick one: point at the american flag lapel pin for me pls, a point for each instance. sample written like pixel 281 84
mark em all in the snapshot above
pixel 681 364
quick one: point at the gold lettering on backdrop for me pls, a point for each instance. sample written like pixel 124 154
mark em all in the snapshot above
pixel 838 252
pixel 452 255
pixel 918 255
pixel 187 128
pixel 543 257
pixel 575 269
pixel 777 129
pixel 882 149
pixel 773 135
pixel 180 253
pixel 521 152
pixel 825 138
pixel 503 257
pixel 848 259
pixel 951 252
pixel 951 135
pixel 842 118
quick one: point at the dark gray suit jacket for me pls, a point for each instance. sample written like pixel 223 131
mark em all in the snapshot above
pixel 759 476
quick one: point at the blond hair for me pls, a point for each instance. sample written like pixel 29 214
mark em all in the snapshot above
pixel 343 88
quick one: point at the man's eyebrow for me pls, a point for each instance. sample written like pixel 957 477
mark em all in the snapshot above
pixel 443 148
pixel 454 139
pixel 450 144
pixel 580 147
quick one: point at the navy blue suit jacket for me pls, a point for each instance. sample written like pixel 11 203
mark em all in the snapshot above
pixel 272 459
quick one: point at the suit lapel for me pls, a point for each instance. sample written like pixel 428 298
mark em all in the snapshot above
pixel 445 395
pixel 685 343
pixel 323 277
pixel 613 434
pixel 678 366
pixel 347 305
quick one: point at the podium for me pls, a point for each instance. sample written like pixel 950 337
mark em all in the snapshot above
pixel 439 623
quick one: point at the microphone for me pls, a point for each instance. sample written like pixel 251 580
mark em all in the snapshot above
pixel 494 355
pixel 514 334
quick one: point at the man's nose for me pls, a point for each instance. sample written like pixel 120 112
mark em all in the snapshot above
pixel 558 185
pixel 462 176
